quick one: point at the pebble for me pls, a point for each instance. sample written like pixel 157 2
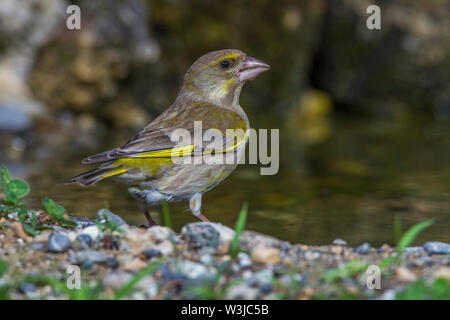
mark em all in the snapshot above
pixel 58 243
pixel 168 275
pixel 143 239
pixel 242 292
pixel 262 254
pixel 413 250
pixel 71 235
pixel 206 259
pixel 25 287
pixel 436 247
pixel 124 246
pixel 405 274
pixel 166 248
pixel 192 269
pixel 201 236
pixel 266 288
pixel 151 253
pixel 135 264
pixel 42 237
pixel 337 250
pixel 363 248
pixel 339 242
pixel 422 261
pixel 20 232
pixel 388 295
pixel 442 272
pixel 251 239
pixel 312 255
pixel 111 217
pixel 115 280
pixel 291 280
pixel 92 231
pixel 262 277
pixel 244 260
pixel 112 263
pixel 88 257
pixel 160 234
pixel 226 233
pixel 82 222
pixel 84 239
pixel 36 246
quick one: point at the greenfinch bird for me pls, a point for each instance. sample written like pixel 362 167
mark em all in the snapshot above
pixel 209 95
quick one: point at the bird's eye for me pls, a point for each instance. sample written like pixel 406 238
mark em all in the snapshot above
pixel 225 64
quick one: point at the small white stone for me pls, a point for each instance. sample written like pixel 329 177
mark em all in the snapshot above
pixel 192 269
pixel 206 259
pixel 71 235
pixel 91 231
pixel 166 247
pixel 226 233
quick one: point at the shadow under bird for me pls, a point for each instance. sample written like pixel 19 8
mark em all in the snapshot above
pixel 209 93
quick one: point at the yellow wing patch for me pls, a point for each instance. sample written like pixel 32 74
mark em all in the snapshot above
pixel 165 153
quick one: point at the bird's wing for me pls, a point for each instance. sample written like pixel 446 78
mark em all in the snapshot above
pixel 154 141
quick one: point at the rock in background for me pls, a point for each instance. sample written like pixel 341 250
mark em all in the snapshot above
pixel 405 65
pixel 114 72
pixel 90 71
pixel 24 27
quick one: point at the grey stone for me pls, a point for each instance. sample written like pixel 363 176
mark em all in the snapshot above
pixel 88 257
pixel 112 263
pixel 262 277
pixel 111 217
pixel 58 243
pixel 36 246
pixel 25 287
pixel 82 222
pixel 339 242
pixel 244 260
pixel 436 247
pixel 115 280
pixel 151 253
pixel 201 236
pixel 363 248
pixel 84 239
pixel 413 250
pixel 192 269
pixel 242 291
pixel 206 259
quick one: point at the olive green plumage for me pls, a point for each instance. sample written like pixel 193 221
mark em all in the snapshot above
pixel 209 93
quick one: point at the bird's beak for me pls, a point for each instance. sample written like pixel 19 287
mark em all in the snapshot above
pixel 250 68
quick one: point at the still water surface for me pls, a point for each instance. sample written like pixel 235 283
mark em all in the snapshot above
pixel 352 185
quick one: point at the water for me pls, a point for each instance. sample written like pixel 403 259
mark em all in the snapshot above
pixel 352 184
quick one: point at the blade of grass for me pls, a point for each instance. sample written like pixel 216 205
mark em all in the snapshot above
pixel 240 225
pixel 411 234
pixel 405 241
pixel 166 214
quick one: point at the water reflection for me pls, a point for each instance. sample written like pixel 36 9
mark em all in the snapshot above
pixel 351 185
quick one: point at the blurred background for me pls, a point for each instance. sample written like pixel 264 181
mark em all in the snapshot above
pixel 364 115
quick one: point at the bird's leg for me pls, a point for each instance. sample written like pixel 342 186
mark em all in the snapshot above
pixel 150 221
pixel 195 204
pixel 143 206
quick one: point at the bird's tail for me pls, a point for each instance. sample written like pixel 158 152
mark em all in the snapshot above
pixel 93 176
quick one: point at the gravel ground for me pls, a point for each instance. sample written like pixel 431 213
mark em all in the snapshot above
pixel 156 263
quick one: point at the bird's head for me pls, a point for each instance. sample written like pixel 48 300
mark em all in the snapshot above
pixel 218 76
